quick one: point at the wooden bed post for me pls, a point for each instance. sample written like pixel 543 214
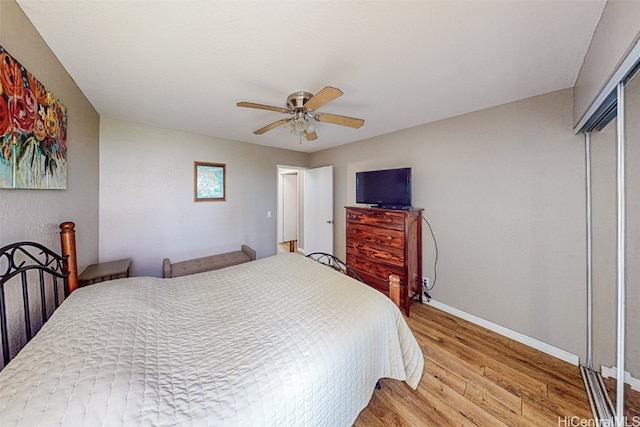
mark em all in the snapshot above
pixel 68 244
pixel 394 289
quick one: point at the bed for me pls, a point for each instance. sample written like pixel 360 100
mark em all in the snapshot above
pixel 282 341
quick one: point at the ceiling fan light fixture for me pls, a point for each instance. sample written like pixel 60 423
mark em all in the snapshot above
pixel 290 126
pixel 300 105
pixel 301 125
pixel 310 127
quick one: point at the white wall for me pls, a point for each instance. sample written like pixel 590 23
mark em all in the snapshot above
pixel 36 214
pixel 147 211
pixel 289 207
pixel 503 189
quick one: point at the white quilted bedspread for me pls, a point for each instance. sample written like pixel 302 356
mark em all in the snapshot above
pixel 281 341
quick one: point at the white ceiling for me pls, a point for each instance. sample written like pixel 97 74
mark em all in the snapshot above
pixel 185 64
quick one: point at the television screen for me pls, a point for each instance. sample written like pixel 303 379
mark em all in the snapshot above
pixel 388 188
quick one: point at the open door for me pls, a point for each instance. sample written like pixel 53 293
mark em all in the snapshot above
pixel 318 210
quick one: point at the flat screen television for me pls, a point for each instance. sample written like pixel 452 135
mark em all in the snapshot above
pixel 387 188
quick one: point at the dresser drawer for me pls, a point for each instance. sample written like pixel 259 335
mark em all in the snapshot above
pixel 375 268
pixel 374 282
pixel 378 218
pixel 377 253
pixel 371 234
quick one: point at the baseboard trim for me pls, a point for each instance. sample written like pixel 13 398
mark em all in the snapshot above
pixel 612 372
pixel 521 338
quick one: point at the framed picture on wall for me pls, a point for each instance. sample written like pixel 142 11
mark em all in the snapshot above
pixel 210 182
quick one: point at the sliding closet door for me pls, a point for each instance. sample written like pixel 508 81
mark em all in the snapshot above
pixel 632 353
pixel 603 184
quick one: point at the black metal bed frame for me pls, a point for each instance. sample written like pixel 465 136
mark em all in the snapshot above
pixel 335 263
pixel 18 259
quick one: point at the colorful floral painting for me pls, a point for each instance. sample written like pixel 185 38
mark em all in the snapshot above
pixel 33 130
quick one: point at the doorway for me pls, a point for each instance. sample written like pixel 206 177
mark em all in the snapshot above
pixel 290 208
pixel 305 224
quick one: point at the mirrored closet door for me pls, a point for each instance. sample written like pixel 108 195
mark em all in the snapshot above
pixel 613 166
pixel 603 214
pixel 632 261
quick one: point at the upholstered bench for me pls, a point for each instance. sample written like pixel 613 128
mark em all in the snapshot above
pixel 213 262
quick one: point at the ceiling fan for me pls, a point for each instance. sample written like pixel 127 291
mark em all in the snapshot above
pixel 302 106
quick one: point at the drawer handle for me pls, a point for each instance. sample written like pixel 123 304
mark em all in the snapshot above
pixel 329 221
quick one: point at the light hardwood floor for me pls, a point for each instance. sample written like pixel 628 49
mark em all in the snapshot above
pixel 287 246
pixel 473 376
pixel 631 401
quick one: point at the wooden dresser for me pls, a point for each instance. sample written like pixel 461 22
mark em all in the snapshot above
pixel 381 242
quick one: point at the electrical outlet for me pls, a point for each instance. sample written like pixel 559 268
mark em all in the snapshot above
pixel 426 298
pixel 425 282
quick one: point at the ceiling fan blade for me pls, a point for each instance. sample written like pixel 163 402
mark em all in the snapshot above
pixel 323 97
pixel 271 126
pixel 339 120
pixel 262 107
pixel 310 136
